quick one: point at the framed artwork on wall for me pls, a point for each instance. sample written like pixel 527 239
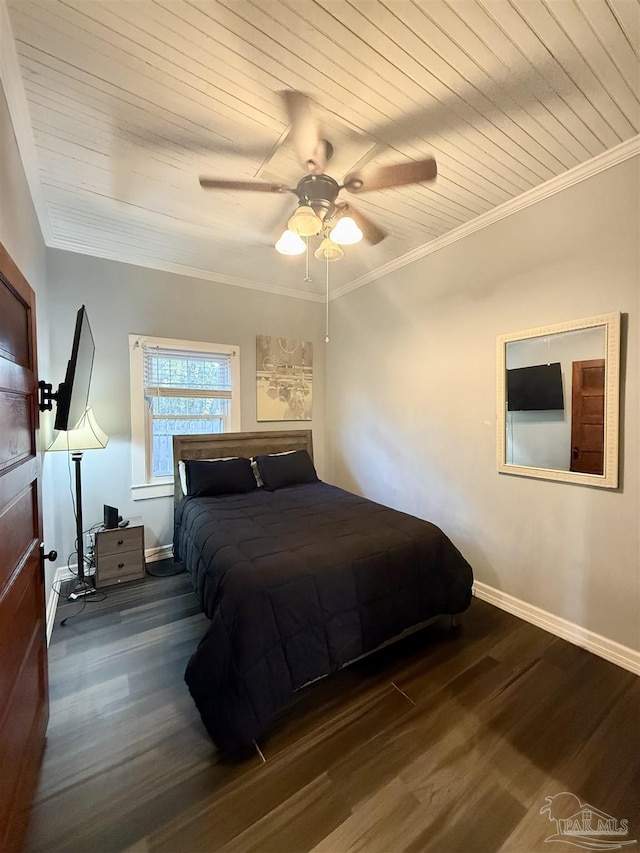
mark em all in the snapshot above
pixel 284 379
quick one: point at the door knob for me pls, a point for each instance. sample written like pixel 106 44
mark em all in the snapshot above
pixel 52 555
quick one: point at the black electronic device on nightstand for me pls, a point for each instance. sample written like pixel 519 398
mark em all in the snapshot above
pixel 111 517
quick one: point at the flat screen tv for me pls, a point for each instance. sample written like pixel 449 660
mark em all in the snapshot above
pixel 73 393
pixel 537 388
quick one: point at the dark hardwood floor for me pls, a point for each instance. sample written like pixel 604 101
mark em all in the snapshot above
pixel 449 741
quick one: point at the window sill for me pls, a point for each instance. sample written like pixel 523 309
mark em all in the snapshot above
pixel 159 489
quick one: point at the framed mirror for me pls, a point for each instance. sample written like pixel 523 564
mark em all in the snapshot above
pixel 558 399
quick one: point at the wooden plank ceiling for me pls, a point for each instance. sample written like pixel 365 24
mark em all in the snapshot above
pixel 129 101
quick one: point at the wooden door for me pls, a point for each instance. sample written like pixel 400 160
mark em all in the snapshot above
pixel 587 416
pixel 24 707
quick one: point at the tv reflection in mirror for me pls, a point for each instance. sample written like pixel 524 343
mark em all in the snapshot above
pixel 537 388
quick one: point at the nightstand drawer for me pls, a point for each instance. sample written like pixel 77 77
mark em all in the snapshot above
pixel 114 581
pixel 117 568
pixel 116 541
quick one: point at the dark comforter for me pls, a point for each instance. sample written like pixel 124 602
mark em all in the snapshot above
pixel 297 583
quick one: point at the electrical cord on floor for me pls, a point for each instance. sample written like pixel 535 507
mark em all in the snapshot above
pixel 77 613
pixel 85 598
pixel 55 589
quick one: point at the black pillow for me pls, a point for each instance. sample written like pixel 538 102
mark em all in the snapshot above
pixel 286 469
pixel 220 477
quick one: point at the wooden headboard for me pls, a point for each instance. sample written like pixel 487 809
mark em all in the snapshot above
pixel 235 444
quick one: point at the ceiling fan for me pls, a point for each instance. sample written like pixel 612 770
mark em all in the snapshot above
pixel 317 192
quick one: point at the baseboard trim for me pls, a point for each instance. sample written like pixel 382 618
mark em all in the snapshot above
pixel 63 573
pixel 623 656
pixel 163 552
pixel 67 573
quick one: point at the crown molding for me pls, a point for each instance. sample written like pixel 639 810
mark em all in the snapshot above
pixel 191 272
pixel 599 163
pixel 19 113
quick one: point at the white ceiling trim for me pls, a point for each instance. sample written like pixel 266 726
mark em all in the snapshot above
pixel 19 112
pixel 190 272
pixel 630 148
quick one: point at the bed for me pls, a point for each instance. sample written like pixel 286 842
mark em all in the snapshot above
pixel 298 577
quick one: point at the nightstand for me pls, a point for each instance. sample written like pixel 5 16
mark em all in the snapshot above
pixel 120 554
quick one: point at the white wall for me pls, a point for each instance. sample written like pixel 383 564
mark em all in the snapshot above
pixel 123 299
pixel 21 236
pixel 411 402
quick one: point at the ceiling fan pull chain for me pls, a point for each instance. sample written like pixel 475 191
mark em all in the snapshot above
pixel 306 262
pixel 326 334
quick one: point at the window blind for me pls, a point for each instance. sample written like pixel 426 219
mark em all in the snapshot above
pixel 176 373
pixel 187 392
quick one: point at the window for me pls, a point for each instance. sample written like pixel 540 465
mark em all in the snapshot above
pixel 177 388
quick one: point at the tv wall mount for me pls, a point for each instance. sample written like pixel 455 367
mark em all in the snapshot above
pixel 46 396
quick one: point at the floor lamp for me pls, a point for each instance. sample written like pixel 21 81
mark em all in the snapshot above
pixel 86 435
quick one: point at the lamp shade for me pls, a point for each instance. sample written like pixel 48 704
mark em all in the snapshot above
pixel 290 244
pixel 86 435
pixel 328 250
pixel 346 232
pixel 305 222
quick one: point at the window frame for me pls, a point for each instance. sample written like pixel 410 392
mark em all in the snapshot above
pixel 143 484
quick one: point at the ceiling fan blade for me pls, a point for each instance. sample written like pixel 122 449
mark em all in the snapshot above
pixel 395 175
pixel 305 132
pixel 371 232
pixel 252 186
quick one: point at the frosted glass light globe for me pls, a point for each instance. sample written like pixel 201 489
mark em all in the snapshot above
pixel 305 222
pixel 328 250
pixel 290 244
pixel 346 232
